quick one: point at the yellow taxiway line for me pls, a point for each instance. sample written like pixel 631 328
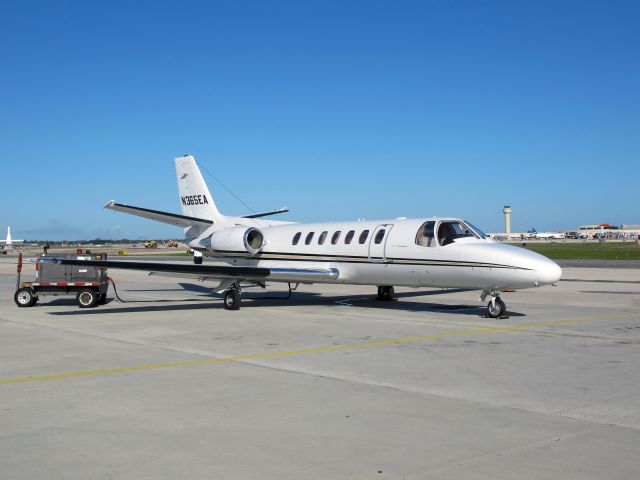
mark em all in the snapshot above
pixel 303 351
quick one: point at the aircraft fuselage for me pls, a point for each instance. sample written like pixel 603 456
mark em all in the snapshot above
pixel 386 252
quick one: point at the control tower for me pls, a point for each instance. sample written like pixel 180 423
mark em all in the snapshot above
pixel 507 220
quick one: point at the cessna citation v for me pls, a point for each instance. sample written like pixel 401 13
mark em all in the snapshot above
pixel 426 252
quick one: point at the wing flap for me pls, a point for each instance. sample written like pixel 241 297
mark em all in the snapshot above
pixel 164 217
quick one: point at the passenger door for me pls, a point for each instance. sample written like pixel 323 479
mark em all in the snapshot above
pixel 378 243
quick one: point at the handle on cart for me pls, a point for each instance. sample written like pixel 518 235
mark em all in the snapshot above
pixel 19 270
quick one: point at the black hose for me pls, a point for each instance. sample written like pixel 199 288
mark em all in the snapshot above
pixel 115 290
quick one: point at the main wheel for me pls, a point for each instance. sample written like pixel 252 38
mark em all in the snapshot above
pixel 385 293
pixel 496 309
pixel 87 298
pixel 24 297
pixel 232 300
pixel 197 260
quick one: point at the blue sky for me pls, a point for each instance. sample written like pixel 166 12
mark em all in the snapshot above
pixel 338 110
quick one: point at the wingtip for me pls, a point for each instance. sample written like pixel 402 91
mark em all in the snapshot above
pixel 110 204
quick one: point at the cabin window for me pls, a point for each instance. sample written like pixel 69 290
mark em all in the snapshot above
pixel 425 236
pixel 363 236
pixel 296 238
pixel 379 236
pixel 322 237
pixel 335 237
pixel 349 236
pixel 307 240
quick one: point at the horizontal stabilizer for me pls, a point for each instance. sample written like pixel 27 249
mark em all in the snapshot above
pixel 267 214
pixel 165 217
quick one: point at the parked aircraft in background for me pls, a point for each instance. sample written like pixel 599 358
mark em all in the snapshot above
pixel 9 242
pixel 546 235
pixel 422 252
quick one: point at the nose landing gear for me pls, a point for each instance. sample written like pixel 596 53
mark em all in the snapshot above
pixel 496 307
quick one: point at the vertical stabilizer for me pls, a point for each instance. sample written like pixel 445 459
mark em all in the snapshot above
pixel 195 198
pixel 9 241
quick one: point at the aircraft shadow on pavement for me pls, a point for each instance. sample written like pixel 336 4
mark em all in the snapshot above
pixel 184 286
pixel 279 299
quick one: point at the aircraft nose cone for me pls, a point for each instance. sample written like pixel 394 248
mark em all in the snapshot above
pixel 541 270
pixel 550 272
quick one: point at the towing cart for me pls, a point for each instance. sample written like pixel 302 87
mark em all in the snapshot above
pixel 89 284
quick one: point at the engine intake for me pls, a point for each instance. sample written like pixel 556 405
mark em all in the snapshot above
pixel 237 239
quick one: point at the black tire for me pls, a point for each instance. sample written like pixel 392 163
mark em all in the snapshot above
pixel 24 297
pixel 197 260
pixel 497 309
pixel 232 300
pixel 87 298
pixel 385 293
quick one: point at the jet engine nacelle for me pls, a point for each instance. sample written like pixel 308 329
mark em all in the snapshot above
pixel 231 240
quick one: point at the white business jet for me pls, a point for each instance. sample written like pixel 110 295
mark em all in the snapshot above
pixel 9 242
pixel 424 252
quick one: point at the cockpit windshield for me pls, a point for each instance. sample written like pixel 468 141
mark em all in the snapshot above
pixel 449 231
pixel 480 233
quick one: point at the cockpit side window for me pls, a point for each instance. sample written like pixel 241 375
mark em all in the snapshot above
pixel 425 236
pixel 451 230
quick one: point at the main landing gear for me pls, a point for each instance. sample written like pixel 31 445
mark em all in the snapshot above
pixel 233 293
pixel 385 294
pixel 496 307
pixel 232 298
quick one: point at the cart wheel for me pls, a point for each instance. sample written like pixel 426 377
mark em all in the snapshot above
pixel 24 297
pixel 102 299
pixel 87 298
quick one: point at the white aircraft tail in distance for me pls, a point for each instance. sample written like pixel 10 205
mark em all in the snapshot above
pixel 9 242
pixel 421 252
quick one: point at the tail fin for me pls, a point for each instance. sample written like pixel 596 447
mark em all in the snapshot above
pixel 195 198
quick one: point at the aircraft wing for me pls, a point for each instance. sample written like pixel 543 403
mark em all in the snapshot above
pixel 165 217
pixel 210 272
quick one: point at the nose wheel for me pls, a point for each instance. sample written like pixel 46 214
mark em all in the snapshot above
pixel 496 308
